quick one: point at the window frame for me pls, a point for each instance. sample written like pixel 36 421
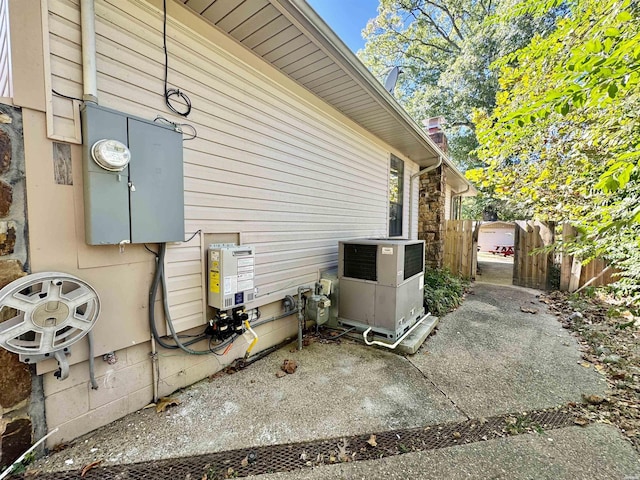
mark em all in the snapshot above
pixel 396 208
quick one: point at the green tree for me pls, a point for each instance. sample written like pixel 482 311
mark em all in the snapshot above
pixel 564 137
pixel 444 49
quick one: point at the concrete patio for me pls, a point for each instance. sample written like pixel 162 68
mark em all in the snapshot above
pixel 487 358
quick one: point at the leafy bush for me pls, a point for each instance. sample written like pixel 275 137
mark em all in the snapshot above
pixel 443 291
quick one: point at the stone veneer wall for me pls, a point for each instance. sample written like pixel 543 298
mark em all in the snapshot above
pixel 431 221
pixel 15 377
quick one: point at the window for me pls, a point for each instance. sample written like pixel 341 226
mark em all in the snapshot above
pixel 396 194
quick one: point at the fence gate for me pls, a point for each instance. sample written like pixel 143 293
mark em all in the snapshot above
pixel 460 248
pixel 530 269
pixel 575 276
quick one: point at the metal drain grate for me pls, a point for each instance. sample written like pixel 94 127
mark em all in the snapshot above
pixel 294 456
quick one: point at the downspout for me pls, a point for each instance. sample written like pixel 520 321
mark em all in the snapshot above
pixel 89 69
pixel 459 194
pixel 417 175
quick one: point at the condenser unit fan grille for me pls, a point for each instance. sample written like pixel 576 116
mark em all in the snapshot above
pixel 360 261
pixel 413 259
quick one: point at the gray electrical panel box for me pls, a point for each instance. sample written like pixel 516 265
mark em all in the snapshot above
pixel 141 201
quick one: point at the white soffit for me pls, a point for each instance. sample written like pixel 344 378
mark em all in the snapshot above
pixel 293 38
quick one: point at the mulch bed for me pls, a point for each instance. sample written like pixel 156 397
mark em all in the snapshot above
pixel 608 330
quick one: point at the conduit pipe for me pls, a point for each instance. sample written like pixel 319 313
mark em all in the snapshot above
pixel 154 368
pixel 411 179
pixel 9 469
pixel 89 68
pixel 392 346
pixel 301 290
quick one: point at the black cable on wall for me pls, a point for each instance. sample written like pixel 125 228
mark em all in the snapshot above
pixel 172 96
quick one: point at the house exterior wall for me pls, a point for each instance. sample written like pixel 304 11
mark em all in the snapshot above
pixel 15 376
pixel 272 166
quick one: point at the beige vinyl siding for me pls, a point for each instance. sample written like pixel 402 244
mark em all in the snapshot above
pixel 284 175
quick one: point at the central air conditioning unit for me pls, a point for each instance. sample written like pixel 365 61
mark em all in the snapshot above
pixel 381 284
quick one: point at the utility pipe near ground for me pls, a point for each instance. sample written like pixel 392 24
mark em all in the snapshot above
pixel 419 174
pixel 301 320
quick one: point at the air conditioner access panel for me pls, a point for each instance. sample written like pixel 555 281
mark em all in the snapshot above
pixel 389 311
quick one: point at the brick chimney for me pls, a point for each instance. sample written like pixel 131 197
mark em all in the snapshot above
pixel 434 127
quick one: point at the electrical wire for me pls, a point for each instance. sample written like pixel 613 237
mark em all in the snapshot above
pixel 226 343
pixel 193 236
pixel 178 127
pixel 193 135
pixel 159 280
pixel 172 94
pixel 65 96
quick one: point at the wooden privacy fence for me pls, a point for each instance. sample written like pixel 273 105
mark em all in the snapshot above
pixel 574 275
pixel 532 269
pixel 460 249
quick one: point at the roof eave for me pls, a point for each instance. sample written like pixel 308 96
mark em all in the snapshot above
pixel 307 18
pixel 314 25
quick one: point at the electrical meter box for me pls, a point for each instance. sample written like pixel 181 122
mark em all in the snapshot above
pixel 133 179
pixel 231 275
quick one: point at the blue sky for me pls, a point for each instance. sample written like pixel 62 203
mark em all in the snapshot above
pixel 347 18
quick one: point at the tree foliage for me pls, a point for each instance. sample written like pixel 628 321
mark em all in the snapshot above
pixel 444 49
pixel 563 140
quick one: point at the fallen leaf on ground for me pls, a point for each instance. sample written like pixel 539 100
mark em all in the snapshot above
pixel 372 441
pixel 89 466
pixel 280 374
pixel 149 405
pixel 585 364
pixel 165 402
pixel 289 366
pixel 593 399
pixel 529 310
pixel 581 421
pixel 219 374
pixel 245 461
